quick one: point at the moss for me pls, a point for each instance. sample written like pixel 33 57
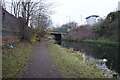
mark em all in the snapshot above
pixel 71 65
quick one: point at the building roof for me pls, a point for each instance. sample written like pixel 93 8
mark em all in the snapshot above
pixel 92 16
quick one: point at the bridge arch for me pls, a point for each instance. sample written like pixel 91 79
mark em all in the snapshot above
pixel 58 34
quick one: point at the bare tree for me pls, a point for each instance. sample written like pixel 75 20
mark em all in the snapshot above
pixel 3 4
pixel 35 14
pixel 30 8
pixel 70 25
pixel 41 17
pixel 16 7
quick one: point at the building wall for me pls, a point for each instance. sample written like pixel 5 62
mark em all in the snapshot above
pixel 11 28
pixel 0 25
pixel 119 5
pixel 91 20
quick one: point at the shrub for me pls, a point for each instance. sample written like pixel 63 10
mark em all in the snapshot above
pixel 33 39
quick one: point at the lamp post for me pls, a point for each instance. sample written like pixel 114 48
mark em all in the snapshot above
pixel 68 18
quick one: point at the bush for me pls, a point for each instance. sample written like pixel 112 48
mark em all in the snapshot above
pixel 113 15
pixel 33 39
pixel 108 28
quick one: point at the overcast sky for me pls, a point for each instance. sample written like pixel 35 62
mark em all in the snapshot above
pixel 75 10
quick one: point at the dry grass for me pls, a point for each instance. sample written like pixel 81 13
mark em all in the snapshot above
pixel 14 60
pixel 71 65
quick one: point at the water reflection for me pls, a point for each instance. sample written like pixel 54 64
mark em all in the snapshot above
pixel 98 52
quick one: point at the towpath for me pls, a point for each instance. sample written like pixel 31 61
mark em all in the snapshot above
pixel 41 64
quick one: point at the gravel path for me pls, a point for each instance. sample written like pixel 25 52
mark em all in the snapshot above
pixel 40 64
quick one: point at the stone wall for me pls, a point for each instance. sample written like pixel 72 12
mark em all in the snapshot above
pixel 11 28
pixel 0 25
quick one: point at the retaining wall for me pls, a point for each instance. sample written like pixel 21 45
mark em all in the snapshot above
pixel 11 28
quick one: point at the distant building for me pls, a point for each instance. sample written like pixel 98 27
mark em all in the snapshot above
pixel 91 19
pixel 119 5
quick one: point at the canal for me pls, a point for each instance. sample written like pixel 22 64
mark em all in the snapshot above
pixel 97 51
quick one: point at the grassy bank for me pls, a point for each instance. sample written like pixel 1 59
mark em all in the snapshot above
pixel 101 42
pixel 14 60
pixel 109 43
pixel 71 65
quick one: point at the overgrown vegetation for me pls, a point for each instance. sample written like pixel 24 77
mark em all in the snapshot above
pixel 103 32
pixel 71 64
pixel 34 17
pixel 108 28
pixel 14 59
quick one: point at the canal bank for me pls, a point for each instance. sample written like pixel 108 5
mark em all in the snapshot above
pixel 97 51
pixel 71 64
pixel 101 42
pixel 65 57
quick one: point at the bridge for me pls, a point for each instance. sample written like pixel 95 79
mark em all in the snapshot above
pixel 59 34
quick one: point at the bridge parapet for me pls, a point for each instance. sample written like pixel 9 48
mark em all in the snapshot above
pixel 58 34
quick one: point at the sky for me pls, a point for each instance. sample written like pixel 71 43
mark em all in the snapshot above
pixel 77 10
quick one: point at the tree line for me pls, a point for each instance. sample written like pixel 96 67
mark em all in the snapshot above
pixel 36 14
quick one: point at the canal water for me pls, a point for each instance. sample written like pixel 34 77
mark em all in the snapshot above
pixel 97 51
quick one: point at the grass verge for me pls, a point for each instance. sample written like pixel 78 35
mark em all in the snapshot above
pixel 71 65
pixel 14 60
pixel 101 42
pixel 109 43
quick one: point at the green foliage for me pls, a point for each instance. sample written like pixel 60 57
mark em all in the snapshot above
pixel 113 15
pixel 33 39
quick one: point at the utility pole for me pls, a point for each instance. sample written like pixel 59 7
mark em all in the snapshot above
pixel 68 18
pixel 81 19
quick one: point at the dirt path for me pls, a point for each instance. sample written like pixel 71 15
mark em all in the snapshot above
pixel 40 64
